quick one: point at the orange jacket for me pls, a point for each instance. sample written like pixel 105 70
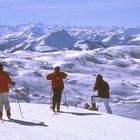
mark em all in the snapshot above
pixel 57 79
pixel 5 80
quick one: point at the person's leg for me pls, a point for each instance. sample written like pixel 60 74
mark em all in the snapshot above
pixel 93 103
pixel 54 99
pixel 59 98
pixel 6 104
pixel 1 105
pixel 106 103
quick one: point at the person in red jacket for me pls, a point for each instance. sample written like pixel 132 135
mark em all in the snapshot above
pixel 5 80
pixel 57 86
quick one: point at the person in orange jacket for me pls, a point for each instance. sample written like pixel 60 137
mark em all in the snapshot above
pixel 5 80
pixel 57 86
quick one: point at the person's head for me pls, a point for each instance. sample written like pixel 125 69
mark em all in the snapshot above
pixel 1 67
pixel 57 69
pixel 99 77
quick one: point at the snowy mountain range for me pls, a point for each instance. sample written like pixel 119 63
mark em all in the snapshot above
pixel 119 65
pixel 41 37
pixel 29 52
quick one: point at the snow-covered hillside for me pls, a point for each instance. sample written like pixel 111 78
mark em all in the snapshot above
pixel 119 66
pixel 41 37
pixel 73 123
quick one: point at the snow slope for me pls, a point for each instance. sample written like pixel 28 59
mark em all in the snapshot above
pixel 73 123
pixel 119 65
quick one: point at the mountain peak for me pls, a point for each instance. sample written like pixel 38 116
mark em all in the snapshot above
pixel 60 39
pixel 34 36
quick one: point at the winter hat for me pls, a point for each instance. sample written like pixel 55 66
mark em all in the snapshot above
pixel 57 68
pixel 99 77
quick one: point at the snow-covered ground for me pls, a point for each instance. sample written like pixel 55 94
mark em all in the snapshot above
pixel 119 66
pixel 73 123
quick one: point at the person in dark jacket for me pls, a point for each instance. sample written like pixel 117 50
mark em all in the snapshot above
pixel 103 92
pixel 5 80
pixel 57 86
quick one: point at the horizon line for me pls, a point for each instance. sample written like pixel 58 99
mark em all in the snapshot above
pixel 137 26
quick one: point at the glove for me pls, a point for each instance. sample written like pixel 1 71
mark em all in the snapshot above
pixel 13 83
pixel 58 78
pixel 94 88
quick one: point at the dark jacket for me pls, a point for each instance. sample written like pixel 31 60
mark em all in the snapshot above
pixel 103 88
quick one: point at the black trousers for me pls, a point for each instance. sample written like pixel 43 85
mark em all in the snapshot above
pixel 56 100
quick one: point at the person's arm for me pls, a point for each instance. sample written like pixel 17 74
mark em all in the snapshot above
pixel 49 77
pixel 63 75
pixel 8 79
pixel 95 86
pixel 108 87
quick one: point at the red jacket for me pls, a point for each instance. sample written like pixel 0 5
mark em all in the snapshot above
pixel 57 79
pixel 5 80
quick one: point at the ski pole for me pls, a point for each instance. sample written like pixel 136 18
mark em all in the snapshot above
pixel 18 102
pixel 51 100
pixel 65 99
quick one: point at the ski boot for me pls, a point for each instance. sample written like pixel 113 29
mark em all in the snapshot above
pixel 8 114
pixel 87 106
pixel 93 107
pixel 0 115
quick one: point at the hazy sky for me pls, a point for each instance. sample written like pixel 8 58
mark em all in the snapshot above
pixel 71 12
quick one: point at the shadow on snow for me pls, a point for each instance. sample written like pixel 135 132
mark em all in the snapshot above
pixel 28 123
pixel 80 114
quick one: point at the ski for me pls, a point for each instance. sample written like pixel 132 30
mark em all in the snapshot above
pixel 55 113
pixel 8 120
pixel 1 120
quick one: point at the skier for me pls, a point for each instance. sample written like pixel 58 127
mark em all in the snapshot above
pixel 57 86
pixel 103 92
pixel 5 80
